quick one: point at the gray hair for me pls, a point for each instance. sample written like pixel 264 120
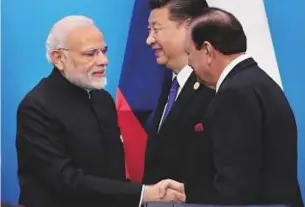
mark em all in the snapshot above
pixel 60 31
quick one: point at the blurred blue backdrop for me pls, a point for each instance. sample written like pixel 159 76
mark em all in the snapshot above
pixel 25 26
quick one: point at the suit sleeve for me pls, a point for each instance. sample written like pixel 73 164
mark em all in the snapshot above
pixel 39 147
pixel 237 145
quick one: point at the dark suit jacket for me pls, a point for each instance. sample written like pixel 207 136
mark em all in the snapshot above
pixel 166 149
pixel 69 149
pixel 247 153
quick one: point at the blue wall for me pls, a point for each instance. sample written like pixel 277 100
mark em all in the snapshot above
pixel 25 26
pixel 286 22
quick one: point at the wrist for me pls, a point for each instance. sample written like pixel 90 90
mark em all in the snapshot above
pixel 148 194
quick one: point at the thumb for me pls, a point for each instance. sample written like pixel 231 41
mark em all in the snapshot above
pixel 176 186
pixel 165 184
pixel 162 189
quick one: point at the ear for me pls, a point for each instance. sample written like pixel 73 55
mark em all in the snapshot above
pixel 57 59
pixel 186 23
pixel 209 50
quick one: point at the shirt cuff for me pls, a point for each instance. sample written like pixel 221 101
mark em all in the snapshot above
pixel 141 198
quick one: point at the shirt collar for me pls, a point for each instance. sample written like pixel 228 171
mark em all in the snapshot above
pixel 230 67
pixel 183 75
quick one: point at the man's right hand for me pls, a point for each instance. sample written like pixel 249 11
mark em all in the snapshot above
pixel 166 190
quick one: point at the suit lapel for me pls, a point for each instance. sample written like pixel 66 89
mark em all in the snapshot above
pixel 187 93
pixel 160 108
pixel 153 136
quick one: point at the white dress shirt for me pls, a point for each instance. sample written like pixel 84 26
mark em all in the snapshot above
pixel 228 69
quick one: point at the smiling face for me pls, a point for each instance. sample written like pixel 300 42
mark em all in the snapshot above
pixel 166 38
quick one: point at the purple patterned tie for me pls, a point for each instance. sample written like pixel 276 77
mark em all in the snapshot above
pixel 171 98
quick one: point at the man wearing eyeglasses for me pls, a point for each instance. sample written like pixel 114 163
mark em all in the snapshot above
pixel 68 141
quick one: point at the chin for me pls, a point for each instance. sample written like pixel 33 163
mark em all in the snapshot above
pixel 161 61
pixel 100 84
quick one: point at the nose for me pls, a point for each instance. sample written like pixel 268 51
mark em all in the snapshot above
pixel 102 59
pixel 150 39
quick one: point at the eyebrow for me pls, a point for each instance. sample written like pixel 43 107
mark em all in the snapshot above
pixel 154 23
pixel 94 48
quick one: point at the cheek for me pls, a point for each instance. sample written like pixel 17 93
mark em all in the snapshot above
pixel 90 65
pixel 170 42
pixel 82 64
pixel 202 65
pixel 162 43
pixel 190 60
pixel 198 65
pixel 176 45
pixel 85 67
pixel 194 61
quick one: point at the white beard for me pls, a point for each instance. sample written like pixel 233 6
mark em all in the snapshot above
pixel 85 81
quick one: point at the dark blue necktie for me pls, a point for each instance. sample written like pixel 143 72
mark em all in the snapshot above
pixel 171 98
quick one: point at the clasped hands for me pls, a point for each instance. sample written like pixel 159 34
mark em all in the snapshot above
pixel 165 190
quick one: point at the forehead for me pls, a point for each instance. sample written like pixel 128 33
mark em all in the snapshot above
pixel 84 38
pixel 159 16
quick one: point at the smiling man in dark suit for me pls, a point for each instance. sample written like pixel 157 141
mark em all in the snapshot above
pixel 68 141
pixel 183 98
pixel 246 150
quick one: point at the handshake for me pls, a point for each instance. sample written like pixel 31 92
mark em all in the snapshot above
pixel 165 190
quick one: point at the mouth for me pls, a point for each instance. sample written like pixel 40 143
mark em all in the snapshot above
pixel 99 74
pixel 157 51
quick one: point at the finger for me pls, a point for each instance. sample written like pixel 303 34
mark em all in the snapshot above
pixel 175 185
pixel 180 197
pixel 174 196
pixel 162 189
pixel 172 184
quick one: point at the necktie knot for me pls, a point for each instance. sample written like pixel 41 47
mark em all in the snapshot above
pixel 175 84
